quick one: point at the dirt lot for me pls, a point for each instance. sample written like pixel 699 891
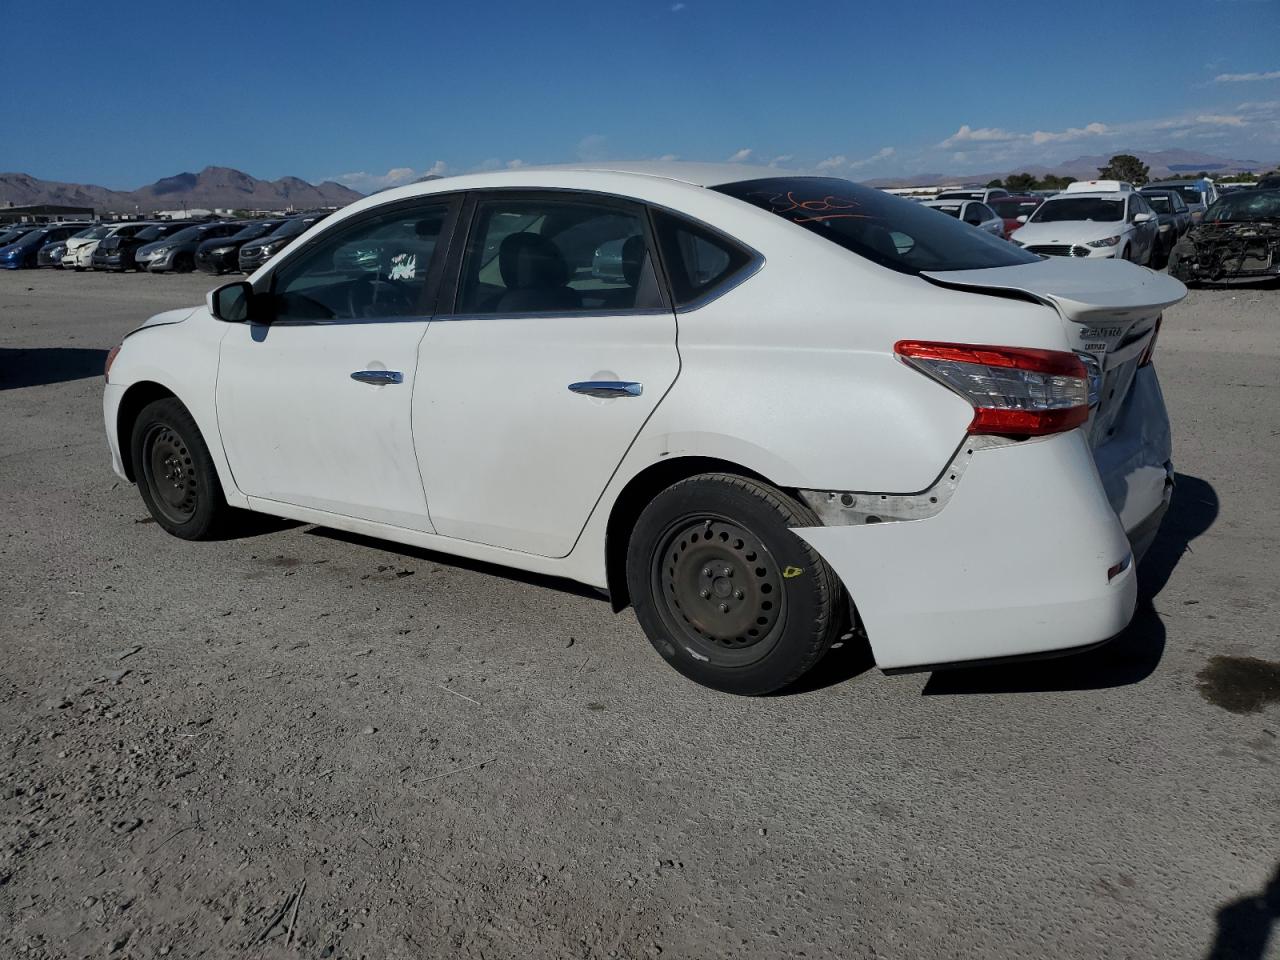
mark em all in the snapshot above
pixel 302 743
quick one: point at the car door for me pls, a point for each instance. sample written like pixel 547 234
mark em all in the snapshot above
pixel 314 407
pixel 559 346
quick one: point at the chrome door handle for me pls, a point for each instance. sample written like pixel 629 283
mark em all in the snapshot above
pixel 607 388
pixel 378 378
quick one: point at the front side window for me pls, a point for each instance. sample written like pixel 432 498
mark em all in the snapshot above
pixel 888 230
pixel 375 267
pixel 556 256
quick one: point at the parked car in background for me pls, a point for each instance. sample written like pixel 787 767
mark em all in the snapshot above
pixel 1173 218
pixel 222 254
pixel 1238 238
pixel 85 239
pixel 1269 183
pixel 177 252
pixel 84 253
pixel 119 252
pixel 748 544
pixel 257 252
pixel 973 212
pixel 10 235
pixel 1197 194
pixel 1113 223
pixel 24 252
pixel 51 254
pixel 976 193
pixel 1015 209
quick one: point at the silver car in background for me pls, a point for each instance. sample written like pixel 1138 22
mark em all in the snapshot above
pixel 973 212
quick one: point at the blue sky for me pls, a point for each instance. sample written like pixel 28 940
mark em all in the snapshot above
pixel 380 92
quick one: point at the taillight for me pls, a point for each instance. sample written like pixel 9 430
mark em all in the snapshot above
pixel 111 358
pixel 1015 391
pixel 1145 359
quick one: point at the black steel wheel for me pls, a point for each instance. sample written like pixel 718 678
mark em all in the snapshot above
pixel 175 473
pixel 724 589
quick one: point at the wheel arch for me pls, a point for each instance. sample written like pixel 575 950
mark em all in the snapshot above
pixel 135 398
pixel 637 494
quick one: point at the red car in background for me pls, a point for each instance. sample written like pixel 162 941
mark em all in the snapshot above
pixel 1010 208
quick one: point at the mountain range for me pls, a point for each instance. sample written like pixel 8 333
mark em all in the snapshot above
pixel 1164 164
pixel 211 188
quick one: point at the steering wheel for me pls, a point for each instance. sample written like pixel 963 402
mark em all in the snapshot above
pixel 377 298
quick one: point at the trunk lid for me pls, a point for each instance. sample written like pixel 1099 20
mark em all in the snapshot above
pixel 1109 310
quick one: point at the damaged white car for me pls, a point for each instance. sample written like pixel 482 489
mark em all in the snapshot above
pixel 762 410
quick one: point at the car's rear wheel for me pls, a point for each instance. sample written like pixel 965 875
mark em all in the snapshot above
pixel 725 591
pixel 175 473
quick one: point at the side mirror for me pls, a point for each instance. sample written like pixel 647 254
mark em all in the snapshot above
pixel 1022 219
pixel 230 302
pixel 1142 218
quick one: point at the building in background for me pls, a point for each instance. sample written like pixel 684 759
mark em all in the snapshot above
pixel 43 213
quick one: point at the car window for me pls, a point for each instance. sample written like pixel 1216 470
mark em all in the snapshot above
pixel 979 213
pixel 950 209
pixel 375 267
pixel 700 262
pixel 1012 209
pixel 877 226
pixel 556 256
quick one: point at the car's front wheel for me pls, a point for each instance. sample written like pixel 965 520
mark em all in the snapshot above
pixel 725 591
pixel 175 473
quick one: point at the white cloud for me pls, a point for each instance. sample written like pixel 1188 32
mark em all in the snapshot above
pixel 515 164
pixel 1071 133
pixel 834 163
pixel 395 177
pixel 884 153
pixel 740 156
pixel 967 134
pixel 437 169
pixel 1221 120
pixel 1246 77
pixel 677 7
pixel 781 159
pixel 668 157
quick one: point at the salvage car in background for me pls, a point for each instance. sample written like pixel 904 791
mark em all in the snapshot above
pixel 1015 210
pixel 1001 461
pixel 1102 219
pixel 1198 194
pixel 257 252
pixel 1238 239
pixel 25 250
pixel 219 255
pixel 80 249
pixel 973 212
pixel 177 252
pixel 119 252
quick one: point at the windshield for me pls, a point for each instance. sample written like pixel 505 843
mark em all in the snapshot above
pixel 1012 209
pixel 98 232
pixel 893 232
pixel 1190 192
pixel 253 231
pixel 950 209
pixel 291 228
pixel 185 234
pixel 154 232
pixel 1244 207
pixel 1099 209
pixel 12 236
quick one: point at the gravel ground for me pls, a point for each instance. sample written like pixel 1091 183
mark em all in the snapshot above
pixel 303 743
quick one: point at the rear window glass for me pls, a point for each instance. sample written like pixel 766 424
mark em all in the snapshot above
pixel 960 195
pixel 1012 209
pixel 1160 204
pixel 1100 209
pixel 885 229
pixel 699 261
pixel 1190 192
pixel 950 209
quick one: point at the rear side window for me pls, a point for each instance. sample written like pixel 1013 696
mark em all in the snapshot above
pixel 699 261
pixel 885 229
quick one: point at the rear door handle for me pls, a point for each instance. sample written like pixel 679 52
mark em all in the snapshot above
pixel 607 388
pixel 379 378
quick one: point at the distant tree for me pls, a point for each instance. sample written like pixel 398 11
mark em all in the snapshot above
pixel 1239 178
pixel 1020 182
pixel 1125 166
pixel 1202 175
pixel 995 183
pixel 1054 182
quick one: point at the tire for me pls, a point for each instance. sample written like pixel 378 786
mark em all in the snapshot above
pixel 184 264
pixel 725 591
pixel 175 473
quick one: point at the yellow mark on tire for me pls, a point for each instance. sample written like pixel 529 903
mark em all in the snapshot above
pixel 791 573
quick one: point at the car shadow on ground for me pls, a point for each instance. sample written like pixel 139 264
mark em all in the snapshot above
pixel 35 366
pixel 1135 653
pixel 462 563
pixel 1245 926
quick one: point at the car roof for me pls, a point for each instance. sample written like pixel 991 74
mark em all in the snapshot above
pixel 685 171
pixel 1089 195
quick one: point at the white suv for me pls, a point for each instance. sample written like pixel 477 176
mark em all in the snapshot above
pixel 762 410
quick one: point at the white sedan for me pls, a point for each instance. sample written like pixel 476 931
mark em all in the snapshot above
pixel 762 410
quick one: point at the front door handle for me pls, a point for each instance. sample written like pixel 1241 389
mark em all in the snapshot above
pixel 607 388
pixel 379 378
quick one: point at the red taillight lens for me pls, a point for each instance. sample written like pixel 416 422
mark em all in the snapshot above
pixel 111 358
pixel 1015 391
pixel 1145 359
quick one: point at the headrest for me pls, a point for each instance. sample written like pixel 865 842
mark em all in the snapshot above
pixel 530 260
pixel 632 259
